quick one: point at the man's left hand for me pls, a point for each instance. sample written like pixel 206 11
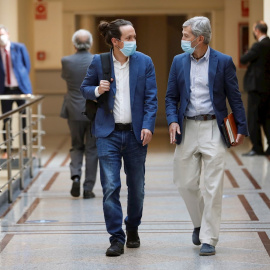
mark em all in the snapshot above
pixel 239 139
pixel 146 136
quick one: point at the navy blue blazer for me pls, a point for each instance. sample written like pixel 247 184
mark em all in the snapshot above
pixel 143 95
pixel 222 82
pixel 21 66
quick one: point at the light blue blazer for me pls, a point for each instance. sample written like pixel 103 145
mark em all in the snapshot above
pixel 21 66
pixel 222 84
pixel 143 95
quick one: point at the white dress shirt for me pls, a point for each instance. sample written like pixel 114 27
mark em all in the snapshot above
pixel 13 80
pixel 122 108
pixel 200 101
pixel 262 37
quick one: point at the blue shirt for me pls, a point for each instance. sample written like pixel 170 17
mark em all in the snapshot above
pixel 200 102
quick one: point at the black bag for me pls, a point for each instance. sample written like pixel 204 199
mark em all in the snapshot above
pixel 90 109
pixel 92 106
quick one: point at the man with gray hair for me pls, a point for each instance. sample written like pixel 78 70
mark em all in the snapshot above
pixel 200 80
pixel 73 72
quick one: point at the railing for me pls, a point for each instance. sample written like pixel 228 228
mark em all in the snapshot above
pixel 18 165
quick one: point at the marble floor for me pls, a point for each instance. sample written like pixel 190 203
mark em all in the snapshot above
pixel 45 228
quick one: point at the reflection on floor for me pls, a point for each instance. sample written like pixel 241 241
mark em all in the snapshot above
pixel 48 229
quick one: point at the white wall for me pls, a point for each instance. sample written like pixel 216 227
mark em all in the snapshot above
pixel 9 17
pixel 266 13
pixel 49 37
pixel 232 18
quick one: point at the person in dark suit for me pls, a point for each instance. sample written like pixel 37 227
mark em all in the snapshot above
pixel 124 130
pixel 200 81
pixel 83 144
pixel 257 84
pixel 14 73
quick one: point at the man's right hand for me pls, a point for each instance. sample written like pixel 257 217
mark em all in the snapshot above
pixel 104 86
pixel 173 128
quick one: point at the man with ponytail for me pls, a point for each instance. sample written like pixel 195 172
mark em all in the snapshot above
pixel 123 127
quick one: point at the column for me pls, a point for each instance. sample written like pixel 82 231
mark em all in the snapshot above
pixel 87 22
pixel 9 17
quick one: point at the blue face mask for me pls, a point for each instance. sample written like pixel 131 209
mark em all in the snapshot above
pixel 129 48
pixel 186 46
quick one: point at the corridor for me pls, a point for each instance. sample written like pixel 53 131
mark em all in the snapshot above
pixel 46 228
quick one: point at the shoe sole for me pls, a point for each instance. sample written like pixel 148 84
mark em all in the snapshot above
pixel 207 254
pixel 88 197
pixel 132 245
pixel 114 254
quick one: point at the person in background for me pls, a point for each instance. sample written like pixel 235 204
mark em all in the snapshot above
pixel 83 144
pixel 14 74
pixel 257 84
pixel 200 81
pixel 123 128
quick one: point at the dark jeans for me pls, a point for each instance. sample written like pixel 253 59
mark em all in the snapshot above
pixel 259 115
pixel 111 150
pixel 7 106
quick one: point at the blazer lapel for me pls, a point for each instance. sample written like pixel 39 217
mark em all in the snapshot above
pixel 212 70
pixel 13 54
pixel 186 65
pixel 1 64
pixel 133 74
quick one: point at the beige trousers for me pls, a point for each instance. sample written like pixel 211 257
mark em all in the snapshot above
pixel 201 144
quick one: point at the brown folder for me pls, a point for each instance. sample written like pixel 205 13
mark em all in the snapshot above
pixel 231 128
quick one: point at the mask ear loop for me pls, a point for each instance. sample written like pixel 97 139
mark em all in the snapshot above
pixel 194 40
pixel 118 46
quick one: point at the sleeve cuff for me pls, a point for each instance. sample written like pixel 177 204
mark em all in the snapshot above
pixel 97 94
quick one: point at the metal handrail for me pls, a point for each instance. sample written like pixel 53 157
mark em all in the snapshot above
pixel 32 136
pixel 34 99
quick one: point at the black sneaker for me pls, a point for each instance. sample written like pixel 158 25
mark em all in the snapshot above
pixel 116 249
pixel 75 190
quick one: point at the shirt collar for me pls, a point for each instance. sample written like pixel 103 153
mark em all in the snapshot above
pixel 7 47
pixel 116 61
pixel 261 38
pixel 206 55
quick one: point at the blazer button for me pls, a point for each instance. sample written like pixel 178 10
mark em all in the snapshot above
pixel 111 111
pixel 113 96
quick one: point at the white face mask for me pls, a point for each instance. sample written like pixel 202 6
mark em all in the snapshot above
pixel 3 40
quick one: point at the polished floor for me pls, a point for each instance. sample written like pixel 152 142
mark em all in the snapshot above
pixel 46 228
